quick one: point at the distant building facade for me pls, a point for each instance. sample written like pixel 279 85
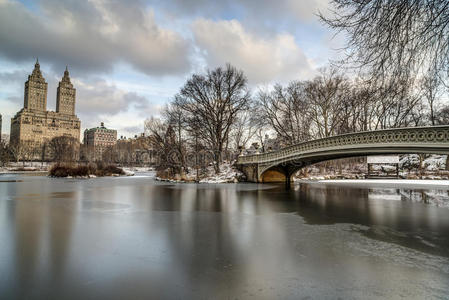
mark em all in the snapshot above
pixel 33 125
pixel 136 151
pixel 98 139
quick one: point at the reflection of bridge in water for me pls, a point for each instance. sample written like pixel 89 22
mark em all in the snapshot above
pixel 278 166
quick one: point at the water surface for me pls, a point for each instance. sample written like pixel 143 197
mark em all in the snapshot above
pixel 134 238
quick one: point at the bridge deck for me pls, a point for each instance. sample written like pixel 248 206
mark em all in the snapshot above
pixel 432 139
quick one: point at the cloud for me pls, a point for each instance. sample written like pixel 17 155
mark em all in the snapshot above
pixel 99 97
pixel 92 36
pixel 14 77
pixel 261 10
pixel 99 101
pixel 303 10
pixel 133 129
pixel 111 46
pixel 263 60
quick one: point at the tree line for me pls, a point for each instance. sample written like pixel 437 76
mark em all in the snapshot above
pixel 69 150
pixel 216 114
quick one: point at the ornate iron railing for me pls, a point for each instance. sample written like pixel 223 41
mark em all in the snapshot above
pixel 432 135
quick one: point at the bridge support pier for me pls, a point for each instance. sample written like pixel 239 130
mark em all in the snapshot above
pixel 278 174
pixel 287 182
pixel 288 177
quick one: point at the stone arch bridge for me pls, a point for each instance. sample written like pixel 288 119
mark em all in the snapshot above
pixel 277 166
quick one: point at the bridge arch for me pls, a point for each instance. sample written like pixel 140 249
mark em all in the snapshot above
pixel 273 174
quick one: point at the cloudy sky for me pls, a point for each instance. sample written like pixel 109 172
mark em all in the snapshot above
pixel 128 58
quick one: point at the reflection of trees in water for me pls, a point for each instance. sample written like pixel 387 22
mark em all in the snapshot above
pixel 219 199
pixel 328 205
pixel 438 198
pixel 60 227
pixel 221 244
pixel 389 214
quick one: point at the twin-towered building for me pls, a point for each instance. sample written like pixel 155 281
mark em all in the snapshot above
pixel 33 125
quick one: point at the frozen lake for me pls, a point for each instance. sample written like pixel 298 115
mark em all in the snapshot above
pixel 134 238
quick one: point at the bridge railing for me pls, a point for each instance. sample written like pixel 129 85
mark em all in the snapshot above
pixel 408 135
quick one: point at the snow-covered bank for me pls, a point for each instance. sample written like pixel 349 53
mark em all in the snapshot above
pixel 422 183
pixel 228 174
pixel 138 169
pixel 20 169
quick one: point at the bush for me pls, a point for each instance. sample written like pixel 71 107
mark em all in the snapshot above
pixel 80 171
pixel 59 170
pixel 111 169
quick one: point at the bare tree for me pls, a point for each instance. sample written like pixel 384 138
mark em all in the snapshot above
pixel 442 116
pixel 285 109
pixel 431 89
pixel 327 95
pixel 246 125
pixel 175 116
pixel 396 105
pixel 214 100
pixel 395 40
pixel 5 153
pixel 21 151
pixel 163 140
pixel 64 149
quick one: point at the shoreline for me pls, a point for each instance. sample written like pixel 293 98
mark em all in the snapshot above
pixel 23 172
pixel 387 183
pixel 352 182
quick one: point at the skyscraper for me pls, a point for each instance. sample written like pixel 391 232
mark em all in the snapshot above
pixel 33 125
pixel 65 97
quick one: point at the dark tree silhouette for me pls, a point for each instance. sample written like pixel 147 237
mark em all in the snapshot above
pixel 395 40
pixel 64 149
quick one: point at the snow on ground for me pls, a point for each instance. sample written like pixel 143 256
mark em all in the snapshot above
pixel 138 169
pixel 227 174
pixel 131 171
pixel 128 172
pixel 433 162
pixel 22 170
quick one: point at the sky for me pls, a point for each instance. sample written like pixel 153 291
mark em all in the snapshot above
pixel 127 59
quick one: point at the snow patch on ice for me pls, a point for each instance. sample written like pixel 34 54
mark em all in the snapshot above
pixel 391 181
